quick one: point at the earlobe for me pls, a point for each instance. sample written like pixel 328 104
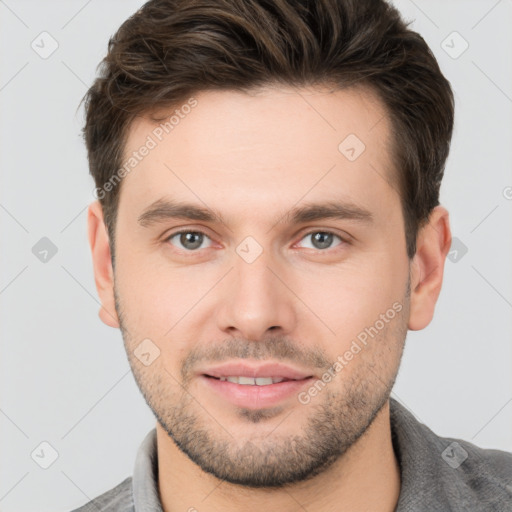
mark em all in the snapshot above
pixel 102 264
pixel 433 244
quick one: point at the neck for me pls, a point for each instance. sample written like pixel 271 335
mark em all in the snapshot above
pixel 366 477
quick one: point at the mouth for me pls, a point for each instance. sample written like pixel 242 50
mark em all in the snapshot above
pixel 254 387
pixel 252 381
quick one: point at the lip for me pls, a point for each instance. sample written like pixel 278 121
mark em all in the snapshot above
pixel 258 370
pixel 254 396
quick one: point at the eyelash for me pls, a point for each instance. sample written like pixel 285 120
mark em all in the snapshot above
pixel 343 240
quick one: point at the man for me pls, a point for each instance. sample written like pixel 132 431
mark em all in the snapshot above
pixel 268 229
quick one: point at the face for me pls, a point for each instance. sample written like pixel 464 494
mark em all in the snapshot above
pixel 296 269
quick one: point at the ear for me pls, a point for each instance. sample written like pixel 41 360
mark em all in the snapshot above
pixel 432 246
pixel 102 264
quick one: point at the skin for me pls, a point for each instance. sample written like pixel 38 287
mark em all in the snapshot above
pixel 253 157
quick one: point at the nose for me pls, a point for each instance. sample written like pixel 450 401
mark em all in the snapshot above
pixel 257 298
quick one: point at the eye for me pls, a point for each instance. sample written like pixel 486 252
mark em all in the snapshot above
pixel 193 240
pixel 322 239
pixel 189 240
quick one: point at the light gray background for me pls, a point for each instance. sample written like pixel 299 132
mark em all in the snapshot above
pixel 64 375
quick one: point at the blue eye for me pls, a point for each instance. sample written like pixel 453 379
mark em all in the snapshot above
pixel 322 239
pixel 190 240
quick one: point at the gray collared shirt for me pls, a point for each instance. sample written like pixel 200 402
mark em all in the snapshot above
pixel 438 474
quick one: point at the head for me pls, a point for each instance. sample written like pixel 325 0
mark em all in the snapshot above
pixel 300 147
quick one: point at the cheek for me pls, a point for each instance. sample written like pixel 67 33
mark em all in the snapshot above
pixel 155 296
pixel 352 295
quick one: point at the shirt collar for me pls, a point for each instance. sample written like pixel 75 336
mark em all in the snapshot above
pixel 427 481
pixel 145 476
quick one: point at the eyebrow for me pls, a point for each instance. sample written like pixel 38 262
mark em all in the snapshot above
pixel 165 209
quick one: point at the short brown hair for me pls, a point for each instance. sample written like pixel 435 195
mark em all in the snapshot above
pixel 171 49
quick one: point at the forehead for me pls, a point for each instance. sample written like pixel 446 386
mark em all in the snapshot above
pixel 267 141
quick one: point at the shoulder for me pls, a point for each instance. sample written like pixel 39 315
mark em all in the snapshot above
pixel 483 474
pixel 446 473
pixel 117 499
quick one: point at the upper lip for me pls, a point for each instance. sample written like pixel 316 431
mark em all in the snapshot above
pixel 269 369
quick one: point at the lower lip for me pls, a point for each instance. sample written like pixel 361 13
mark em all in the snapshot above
pixel 254 396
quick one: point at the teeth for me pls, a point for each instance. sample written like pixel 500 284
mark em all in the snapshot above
pixel 253 381
pixel 263 381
